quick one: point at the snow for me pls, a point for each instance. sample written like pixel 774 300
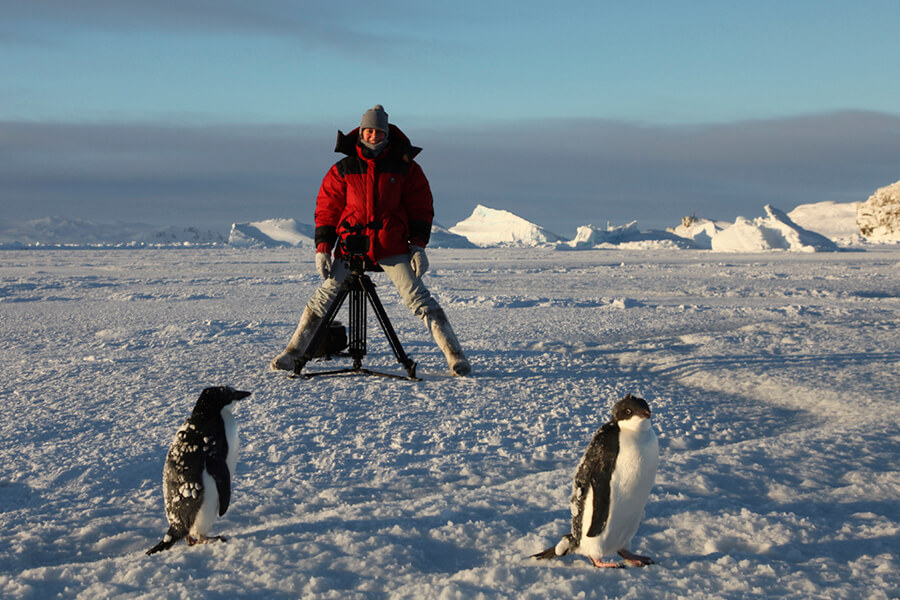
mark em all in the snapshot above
pixel 589 236
pixel 820 227
pixel 272 232
pixel 492 227
pixel 774 231
pixel 699 231
pixel 773 378
pixel 623 236
pixel 835 220
pixel 441 237
pixel 55 231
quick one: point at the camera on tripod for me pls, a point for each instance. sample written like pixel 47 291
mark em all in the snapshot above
pixel 356 245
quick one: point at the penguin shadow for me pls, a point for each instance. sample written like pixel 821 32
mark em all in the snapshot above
pixel 436 557
pixel 860 514
pixel 16 494
pixel 654 533
pixel 846 551
pixel 732 418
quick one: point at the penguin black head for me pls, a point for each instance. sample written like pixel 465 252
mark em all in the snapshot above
pixel 214 399
pixel 630 407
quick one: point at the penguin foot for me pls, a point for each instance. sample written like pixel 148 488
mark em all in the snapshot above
pixel 636 560
pixel 191 540
pixel 605 565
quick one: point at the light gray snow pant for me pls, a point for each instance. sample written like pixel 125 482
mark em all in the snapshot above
pixel 397 268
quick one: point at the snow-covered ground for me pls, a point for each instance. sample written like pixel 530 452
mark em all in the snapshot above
pixel 774 380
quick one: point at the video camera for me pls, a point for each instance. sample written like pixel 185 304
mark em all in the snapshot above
pixel 355 244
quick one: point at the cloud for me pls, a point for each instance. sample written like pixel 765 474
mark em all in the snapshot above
pixel 348 26
pixel 603 171
pixel 560 174
pixel 158 173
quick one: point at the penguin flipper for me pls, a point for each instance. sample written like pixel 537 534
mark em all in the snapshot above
pixel 592 480
pixel 218 469
pixel 601 506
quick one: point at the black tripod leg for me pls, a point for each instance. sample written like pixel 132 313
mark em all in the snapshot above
pixel 386 326
pixel 357 327
pixel 319 333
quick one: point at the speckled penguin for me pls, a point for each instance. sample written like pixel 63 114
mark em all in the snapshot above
pixel 612 485
pixel 199 467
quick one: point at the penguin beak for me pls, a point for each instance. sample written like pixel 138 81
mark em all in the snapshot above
pixel 238 395
pixel 645 413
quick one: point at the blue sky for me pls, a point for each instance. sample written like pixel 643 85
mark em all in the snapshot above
pixel 665 108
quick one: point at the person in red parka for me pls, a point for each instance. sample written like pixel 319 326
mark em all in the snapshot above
pixel 377 190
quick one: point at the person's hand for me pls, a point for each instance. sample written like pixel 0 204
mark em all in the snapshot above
pixel 323 264
pixel 417 260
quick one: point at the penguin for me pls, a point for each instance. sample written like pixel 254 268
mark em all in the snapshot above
pixel 612 485
pixel 199 467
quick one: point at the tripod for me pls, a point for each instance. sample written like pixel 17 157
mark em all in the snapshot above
pixel 358 287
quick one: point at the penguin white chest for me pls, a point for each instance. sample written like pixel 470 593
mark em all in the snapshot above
pixel 635 469
pixel 231 437
pixel 209 507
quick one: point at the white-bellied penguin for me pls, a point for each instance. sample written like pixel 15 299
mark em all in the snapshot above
pixel 199 468
pixel 612 485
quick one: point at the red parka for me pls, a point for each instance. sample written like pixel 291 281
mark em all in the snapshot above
pixel 388 194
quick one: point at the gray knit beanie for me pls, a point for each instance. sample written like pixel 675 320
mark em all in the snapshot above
pixel 375 118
